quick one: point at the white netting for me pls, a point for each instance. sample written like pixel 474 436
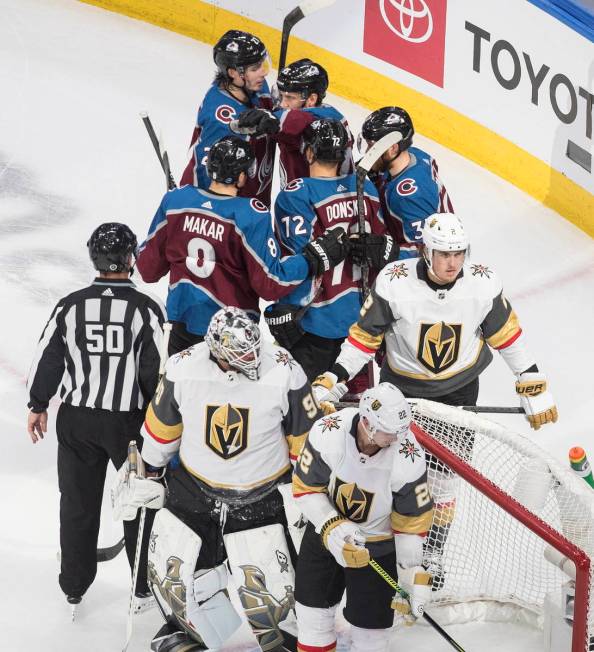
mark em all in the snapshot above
pixel 481 556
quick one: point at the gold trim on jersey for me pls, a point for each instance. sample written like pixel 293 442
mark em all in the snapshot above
pixel 438 345
pixel 411 524
pixel 378 537
pixel 506 332
pixel 226 429
pixel 364 338
pixel 239 487
pixel 295 444
pixel 351 500
pixel 299 487
pixel 160 431
pixel 409 374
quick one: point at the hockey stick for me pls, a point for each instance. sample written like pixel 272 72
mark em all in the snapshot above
pixel 394 584
pixel 161 153
pixel 111 552
pixel 486 409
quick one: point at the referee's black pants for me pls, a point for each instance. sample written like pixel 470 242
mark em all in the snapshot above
pixel 87 440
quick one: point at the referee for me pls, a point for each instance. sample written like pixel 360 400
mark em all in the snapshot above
pixel 101 347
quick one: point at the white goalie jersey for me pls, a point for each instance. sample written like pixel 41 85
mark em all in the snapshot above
pixel 384 493
pixel 232 433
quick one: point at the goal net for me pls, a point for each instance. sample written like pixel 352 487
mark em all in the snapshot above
pixel 502 504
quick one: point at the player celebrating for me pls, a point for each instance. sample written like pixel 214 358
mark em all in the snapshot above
pixel 361 481
pixel 303 210
pixel 300 90
pixel 240 84
pixel 236 408
pixel 219 249
pixel 408 180
pixel 101 344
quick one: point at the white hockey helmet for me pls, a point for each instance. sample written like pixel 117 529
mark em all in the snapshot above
pixel 443 232
pixel 387 412
pixel 234 337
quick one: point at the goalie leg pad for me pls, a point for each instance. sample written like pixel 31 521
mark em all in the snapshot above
pixel 317 630
pixel 263 573
pixel 369 640
pixel 215 619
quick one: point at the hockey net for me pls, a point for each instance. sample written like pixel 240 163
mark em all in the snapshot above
pixel 507 504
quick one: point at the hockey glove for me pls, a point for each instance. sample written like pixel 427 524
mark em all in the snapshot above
pixel 327 388
pixel 377 250
pixel 409 549
pixel 325 252
pixel 537 401
pixel 258 121
pixel 131 491
pixel 416 581
pixel 345 541
pixel 283 323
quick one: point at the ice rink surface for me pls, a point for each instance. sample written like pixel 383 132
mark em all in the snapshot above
pixel 74 153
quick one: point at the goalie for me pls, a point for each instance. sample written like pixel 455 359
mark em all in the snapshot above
pixel 237 410
pixel 361 481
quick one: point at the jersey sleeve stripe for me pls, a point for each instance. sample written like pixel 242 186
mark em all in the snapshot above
pixel 301 489
pixel 506 335
pixel 160 431
pixel 295 443
pixel 411 524
pixel 301 647
pixel 364 340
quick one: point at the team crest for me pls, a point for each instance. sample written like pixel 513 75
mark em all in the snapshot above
pixel 376 405
pixel 352 501
pixel 480 270
pixel 398 270
pixel 282 357
pixel 227 429
pixel 409 449
pixel 439 346
pixel 330 423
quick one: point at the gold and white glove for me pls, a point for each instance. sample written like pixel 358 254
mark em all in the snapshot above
pixel 345 541
pixel 131 491
pixel 416 581
pixel 535 398
pixel 327 388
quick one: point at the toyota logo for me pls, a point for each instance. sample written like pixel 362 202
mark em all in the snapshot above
pixel 415 22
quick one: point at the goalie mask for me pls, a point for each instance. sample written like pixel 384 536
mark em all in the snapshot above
pixel 235 338
pixel 387 413
pixel 443 232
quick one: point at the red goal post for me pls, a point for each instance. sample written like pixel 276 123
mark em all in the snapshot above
pixel 506 504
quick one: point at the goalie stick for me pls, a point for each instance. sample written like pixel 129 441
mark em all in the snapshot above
pixel 394 584
pixel 161 153
pixel 111 552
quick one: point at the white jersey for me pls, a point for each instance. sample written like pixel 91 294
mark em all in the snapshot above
pixel 383 493
pixel 232 433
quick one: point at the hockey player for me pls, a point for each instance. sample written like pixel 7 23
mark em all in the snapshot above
pixel 101 346
pixel 237 409
pixel 304 210
pixel 361 481
pixel 219 249
pixel 240 84
pixel 300 90
pixel 407 178
pixel 437 314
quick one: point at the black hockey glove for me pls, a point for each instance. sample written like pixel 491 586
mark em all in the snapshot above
pixel 377 250
pixel 327 251
pixel 283 323
pixel 259 121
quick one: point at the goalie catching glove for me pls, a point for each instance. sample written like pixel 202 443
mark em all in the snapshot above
pixel 326 388
pixel 416 582
pixel 537 401
pixel 132 490
pixel 345 541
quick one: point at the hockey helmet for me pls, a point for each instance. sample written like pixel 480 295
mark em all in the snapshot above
pixel 228 158
pixel 387 413
pixel 305 77
pixel 111 247
pixel 237 49
pixel 328 139
pixel 233 337
pixel 384 121
pixel 443 232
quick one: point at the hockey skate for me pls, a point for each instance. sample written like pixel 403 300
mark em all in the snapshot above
pixel 143 601
pixel 73 601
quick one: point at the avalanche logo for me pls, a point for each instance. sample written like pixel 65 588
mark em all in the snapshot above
pixel 406 187
pixel 294 185
pixel 259 206
pixel 225 114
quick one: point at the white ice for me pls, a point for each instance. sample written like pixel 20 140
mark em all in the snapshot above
pixel 74 153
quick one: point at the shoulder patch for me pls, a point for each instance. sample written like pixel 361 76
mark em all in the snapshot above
pixel 225 114
pixel 331 422
pixel 397 270
pixel 406 187
pixel 186 353
pixel 294 185
pixel 409 449
pixel 284 358
pixel 480 270
pixel 258 206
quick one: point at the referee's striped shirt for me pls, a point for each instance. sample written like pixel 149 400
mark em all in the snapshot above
pixel 101 347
